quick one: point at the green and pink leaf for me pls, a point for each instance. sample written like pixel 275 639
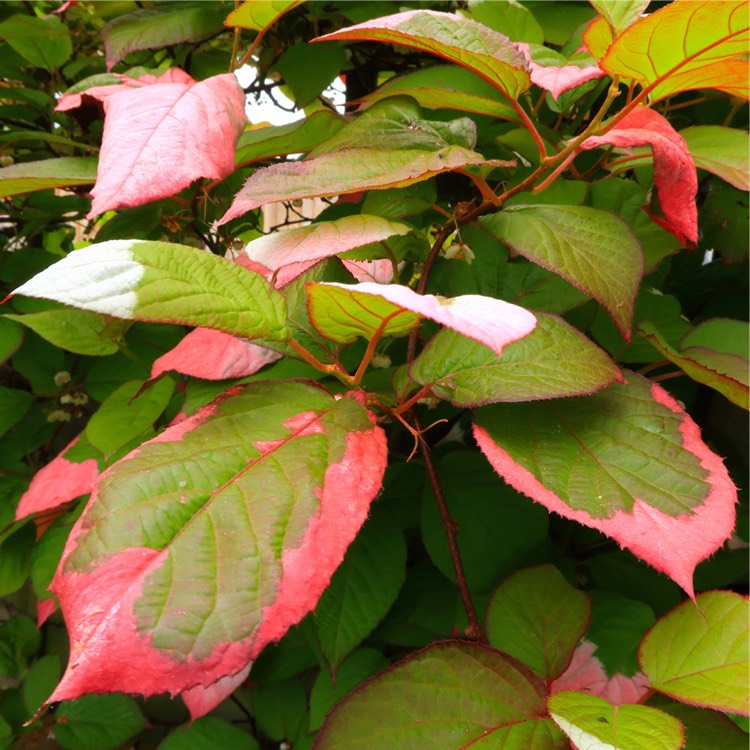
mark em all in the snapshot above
pixel 627 461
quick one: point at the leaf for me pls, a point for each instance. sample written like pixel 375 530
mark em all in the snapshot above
pixel 620 14
pixel 126 414
pixel 163 282
pixel 721 151
pixel 14 403
pixel 97 722
pixel 557 79
pixel 627 461
pixel 498 529
pixel 593 250
pixel 161 26
pixel 321 240
pixel 213 355
pixel 11 336
pixel 160 134
pixel 332 174
pixel 208 733
pixel 450 695
pixel 362 590
pixel 538 617
pixel 342 312
pixel 698 653
pixel 675 177
pixel 554 360
pixel 459 40
pixel 446 87
pixel 723 371
pixel 510 18
pixel 280 140
pixel 711 34
pixel 259 15
pixel 30 176
pixel 42 42
pixel 77 331
pixel 586 673
pixel 63 479
pixel 594 724
pixel 308 70
pixel 245 510
pixel 704 729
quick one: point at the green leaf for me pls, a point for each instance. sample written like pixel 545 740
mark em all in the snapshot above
pixel 329 688
pixel 595 724
pixel 617 626
pixel 14 404
pixel 620 13
pixel 724 371
pixel 536 288
pixel 447 87
pixel 593 250
pixel 497 527
pixel 161 26
pixel 332 174
pixel 447 696
pixel 76 330
pixel 400 203
pixel 538 617
pixel 162 282
pixel 97 722
pixel 20 640
pixel 711 35
pixel 126 414
pixel 40 681
pixel 626 461
pixel 15 559
pixel 279 140
pixel 208 733
pixel 725 220
pixel 509 18
pixel 308 70
pixel 698 653
pixel 65 171
pixel 362 590
pixel 260 14
pixel 279 709
pixel 11 336
pixel 230 502
pixel 703 729
pixel 396 123
pixel 43 42
pixel 554 360
pixel 458 40
pixel 722 151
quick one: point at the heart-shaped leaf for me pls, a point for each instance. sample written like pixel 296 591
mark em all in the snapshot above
pixel 698 653
pixel 245 510
pixel 627 461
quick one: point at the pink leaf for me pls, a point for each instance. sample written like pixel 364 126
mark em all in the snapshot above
pixel 214 355
pixel 160 134
pixel 555 79
pixel 675 176
pixel 586 674
pixel 57 483
pixel 123 632
pixel 673 544
pixel 377 271
pixel 44 609
pixel 492 322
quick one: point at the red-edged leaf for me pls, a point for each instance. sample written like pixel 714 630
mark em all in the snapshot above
pixel 160 135
pixel 627 461
pixel 723 151
pixel 245 511
pixel 214 355
pixel 321 240
pixel 60 481
pixel 332 174
pixel 558 79
pixel 44 609
pixel 342 312
pixel 620 14
pixel 462 41
pixel 710 34
pixel 586 673
pixel 674 171
pixel 375 271
pixel 258 15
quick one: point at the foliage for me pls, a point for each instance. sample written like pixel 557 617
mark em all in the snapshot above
pixel 281 475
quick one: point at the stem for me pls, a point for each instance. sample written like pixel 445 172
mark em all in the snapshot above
pixel 335 369
pixel 474 631
pixel 235 43
pixel 552 176
pixel 529 125
pixel 484 189
pixel 370 351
